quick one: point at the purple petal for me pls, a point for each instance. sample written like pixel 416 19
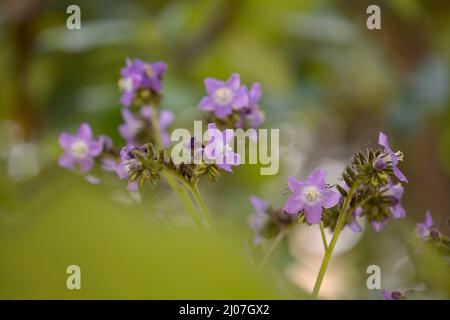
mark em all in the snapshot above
pixel 86 164
pixel 109 165
pixel 400 176
pixel 225 167
pixel 378 225
pixel 293 205
pixel 398 211
pixel 212 85
pixel 354 226
pixel 85 132
pixel 330 198
pixel 222 111
pixel 234 82
pixel 295 185
pixel 383 141
pixel 232 158
pixel 428 219
pixel 313 214
pixel 317 178
pixel 65 140
pixel 254 94
pixel 240 100
pixel 206 104
pixel 66 161
pixel 258 204
pixel 132 186
pixel 165 119
pixel 421 229
pixel 95 148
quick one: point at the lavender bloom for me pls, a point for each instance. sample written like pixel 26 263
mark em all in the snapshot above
pixel 79 149
pixel 389 157
pixel 395 192
pixel 127 165
pixel 218 149
pixel 138 74
pixel 109 164
pixel 224 96
pixel 423 229
pixel 311 196
pixel 259 217
pixel 392 295
pixel 136 126
pixel 251 114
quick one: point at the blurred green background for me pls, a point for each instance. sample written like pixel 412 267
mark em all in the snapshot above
pixel 328 83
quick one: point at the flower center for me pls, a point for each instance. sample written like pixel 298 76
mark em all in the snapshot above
pixel 126 84
pixel 79 149
pixel 312 194
pixel 222 96
pixel 149 71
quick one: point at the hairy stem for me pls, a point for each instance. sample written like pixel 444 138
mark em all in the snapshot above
pixel 272 248
pixel 340 224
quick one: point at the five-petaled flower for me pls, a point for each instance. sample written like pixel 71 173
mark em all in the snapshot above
pixel 138 74
pixel 218 149
pixel 389 157
pixel 311 196
pixel 224 96
pixel 79 149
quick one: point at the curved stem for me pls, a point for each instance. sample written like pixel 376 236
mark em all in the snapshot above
pixel 272 248
pixel 198 197
pixel 340 224
pixel 324 239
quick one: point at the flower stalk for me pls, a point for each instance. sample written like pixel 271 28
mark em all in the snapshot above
pixel 337 231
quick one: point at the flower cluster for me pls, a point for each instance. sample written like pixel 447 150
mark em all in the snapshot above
pixel 145 129
pixel 232 105
pixel 141 82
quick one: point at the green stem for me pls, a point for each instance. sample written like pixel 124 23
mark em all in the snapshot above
pixel 180 191
pixel 272 248
pixel 155 127
pixel 198 197
pixel 324 238
pixel 340 224
pixel 184 197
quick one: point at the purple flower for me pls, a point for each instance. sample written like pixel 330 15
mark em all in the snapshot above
pixel 127 165
pixel 140 125
pixel 218 148
pixel 251 114
pixel 392 295
pixel 138 74
pixel 423 229
pixel 224 96
pixel 80 149
pixel 389 157
pixel 259 217
pixel 395 193
pixel 311 196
